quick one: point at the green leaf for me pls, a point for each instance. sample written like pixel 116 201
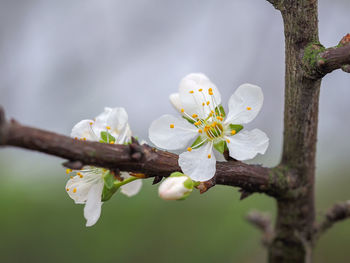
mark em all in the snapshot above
pixel 197 141
pixel 107 137
pixel 220 146
pixel 219 110
pixel 236 127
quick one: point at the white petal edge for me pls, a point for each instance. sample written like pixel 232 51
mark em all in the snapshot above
pixel 132 188
pixel 245 104
pixel 192 102
pixel 196 163
pixel 175 101
pixel 247 144
pixel 84 129
pixel 116 118
pixel 92 209
pixel 175 138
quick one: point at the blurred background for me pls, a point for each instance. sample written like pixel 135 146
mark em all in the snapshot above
pixel 64 61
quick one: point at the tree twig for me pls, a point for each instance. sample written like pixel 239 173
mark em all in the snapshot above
pixel 335 57
pixel 336 213
pixel 133 158
pixel 263 222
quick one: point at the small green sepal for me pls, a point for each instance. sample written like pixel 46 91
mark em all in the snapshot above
pixel 220 111
pixel 107 137
pixel 236 127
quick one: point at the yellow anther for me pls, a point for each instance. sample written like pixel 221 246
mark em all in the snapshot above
pixel 208 102
pixel 111 142
pixel 172 126
pixel 203 104
pixel 210 114
pixel 191 91
pixel 67 189
pixel 198 123
pixel 219 118
pixel 71 177
pixel 200 131
pixel 200 90
pixel 212 111
pixel 189 149
pixel 249 108
pixel 104 170
pixel 84 139
pixel 81 176
pixel 228 141
pixel 210 89
pixel 233 132
pixel 182 110
pixel 108 127
pixel 68 171
pixel 213 124
pixel 74 190
pixel 91 123
pixel 209 156
pixel 75 138
pixel 194 115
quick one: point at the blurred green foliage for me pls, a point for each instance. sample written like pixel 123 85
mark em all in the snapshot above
pixel 40 223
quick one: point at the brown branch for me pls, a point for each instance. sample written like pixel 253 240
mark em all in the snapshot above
pixel 335 57
pixel 262 221
pixel 336 213
pixel 132 158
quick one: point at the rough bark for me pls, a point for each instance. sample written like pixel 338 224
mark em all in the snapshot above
pixel 296 213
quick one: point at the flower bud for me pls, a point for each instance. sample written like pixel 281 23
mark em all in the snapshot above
pixel 176 187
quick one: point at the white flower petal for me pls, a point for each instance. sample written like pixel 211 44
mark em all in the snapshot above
pixel 192 102
pixel 79 187
pixel 247 144
pixel 84 129
pixel 115 118
pixel 92 209
pixel 219 156
pixel 132 188
pixel 124 136
pixel 163 136
pixel 244 104
pixel 172 188
pixel 175 101
pixel 196 163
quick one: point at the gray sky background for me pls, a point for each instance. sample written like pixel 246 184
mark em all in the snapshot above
pixel 63 61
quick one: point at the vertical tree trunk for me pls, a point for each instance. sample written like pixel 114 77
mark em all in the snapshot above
pixel 296 212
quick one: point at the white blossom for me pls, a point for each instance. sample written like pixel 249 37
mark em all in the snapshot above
pixel 175 188
pixel 204 126
pixel 87 185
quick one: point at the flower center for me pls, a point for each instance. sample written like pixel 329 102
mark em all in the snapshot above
pixel 214 130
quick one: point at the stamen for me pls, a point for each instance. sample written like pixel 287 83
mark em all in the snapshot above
pixel 182 110
pixel 198 123
pixel 233 132
pixel 91 123
pixel 75 138
pixel 71 177
pixel 203 104
pixel 84 139
pixel 68 171
pixel 209 156
pixel 200 131
pixel 249 108
pixel 111 142
pixel 228 141
pixel 74 190
pixel 172 126
pixel 67 189
pixel 200 90
pixel 191 91
pixel 189 149
pixel 208 102
pixel 194 115
pixel 108 127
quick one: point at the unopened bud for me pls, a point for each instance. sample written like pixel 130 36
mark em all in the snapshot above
pixel 176 187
